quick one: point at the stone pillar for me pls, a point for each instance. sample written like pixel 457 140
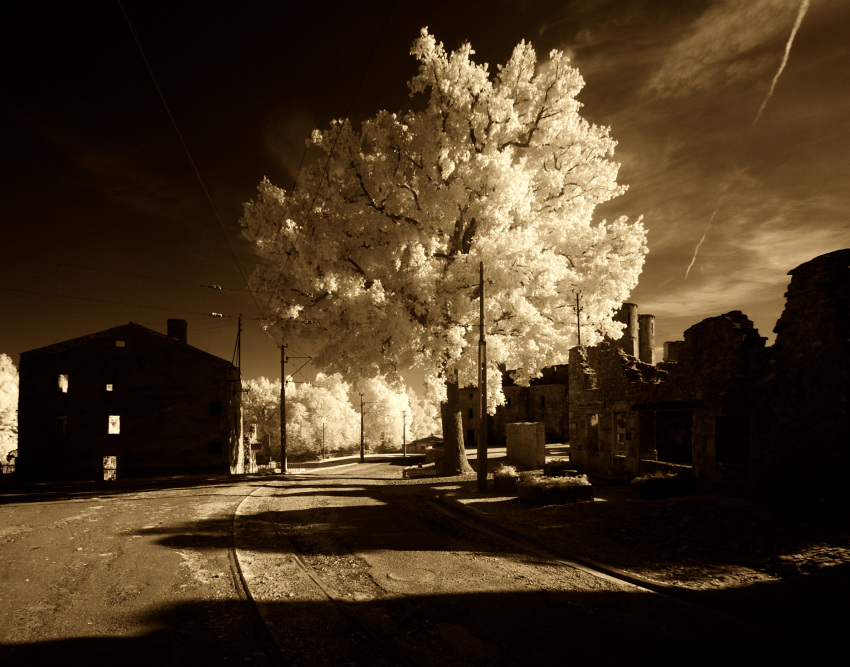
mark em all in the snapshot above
pixel 646 338
pixel 628 315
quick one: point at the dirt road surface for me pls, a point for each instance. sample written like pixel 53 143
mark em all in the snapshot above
pixel 100 576
pixel 354 567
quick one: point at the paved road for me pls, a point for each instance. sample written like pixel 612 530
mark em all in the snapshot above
pixel 346 565
pixel 122 575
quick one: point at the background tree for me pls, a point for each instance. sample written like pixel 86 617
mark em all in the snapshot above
pixel 8 406
pixel 324 402
pixel 386 406
pixel 261 406
pixel 423 417
pixel 381 238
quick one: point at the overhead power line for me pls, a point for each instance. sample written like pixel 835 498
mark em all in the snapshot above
pixel 129 274
pixel 114 303
pixel 230 245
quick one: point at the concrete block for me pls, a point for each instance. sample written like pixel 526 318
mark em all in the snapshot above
pixel 526 444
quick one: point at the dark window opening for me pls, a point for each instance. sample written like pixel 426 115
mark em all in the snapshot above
pixel 732 439
pixel 542 401
pixel 471 413
pixel 674 436
pixel 507 401
pixel 593 432
pixel 470 436
pixel 215 447
pixel 215 408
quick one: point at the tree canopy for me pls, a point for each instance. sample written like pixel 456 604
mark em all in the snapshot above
pixel 377 246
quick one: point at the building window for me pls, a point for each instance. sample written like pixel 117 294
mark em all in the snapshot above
pixel 215 448
pixel 63 383
pixel 108 387
pixel 114 424
pixel 471 413
pixel 542 402
pixel 119 343
pixel 61 425
pixel 215 408
pixel 507 402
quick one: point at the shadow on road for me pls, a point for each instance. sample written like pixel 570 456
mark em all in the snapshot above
pixel 510 628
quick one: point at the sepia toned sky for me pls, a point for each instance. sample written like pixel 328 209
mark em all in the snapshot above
pixel 732 119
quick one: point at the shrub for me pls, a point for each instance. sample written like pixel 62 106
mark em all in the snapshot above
pixel 554 482
pixel 505 471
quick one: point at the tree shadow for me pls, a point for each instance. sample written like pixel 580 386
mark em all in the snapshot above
pixel 496 628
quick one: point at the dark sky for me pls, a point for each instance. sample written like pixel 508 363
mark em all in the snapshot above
pixel 105 220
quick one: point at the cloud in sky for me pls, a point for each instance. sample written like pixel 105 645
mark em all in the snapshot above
pixel 680 84
pixel 804 7
pixel 727 43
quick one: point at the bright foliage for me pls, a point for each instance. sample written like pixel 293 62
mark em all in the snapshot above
pixel 8 406
pixel 379 251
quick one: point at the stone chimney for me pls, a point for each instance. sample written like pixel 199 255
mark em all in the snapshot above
pixel 646 338
pixel 178 329
pixel 628 315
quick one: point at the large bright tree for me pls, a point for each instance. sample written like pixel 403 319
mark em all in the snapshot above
pixel 377 246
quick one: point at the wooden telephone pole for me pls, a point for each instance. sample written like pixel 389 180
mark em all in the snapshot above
pixel 283 465
pixel 482 390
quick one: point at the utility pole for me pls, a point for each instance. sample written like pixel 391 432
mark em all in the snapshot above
pixel 578 317
pixel 323 441
pixel 362 448
pixel 482 389
pixel 243 454
pixel 283 467
pixel 404 434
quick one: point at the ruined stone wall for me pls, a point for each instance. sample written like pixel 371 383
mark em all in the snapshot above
pixel 623 411
pixel 546 400
pixel 805 429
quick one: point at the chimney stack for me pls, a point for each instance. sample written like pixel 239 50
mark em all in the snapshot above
pixel 646 338
pixel 628 315
pixel 178 329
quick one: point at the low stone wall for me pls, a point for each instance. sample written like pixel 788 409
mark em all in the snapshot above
pixel 526 444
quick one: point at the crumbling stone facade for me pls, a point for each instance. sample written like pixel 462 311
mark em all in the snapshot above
pixel 745 418
pixel 545 400
pixel 155 403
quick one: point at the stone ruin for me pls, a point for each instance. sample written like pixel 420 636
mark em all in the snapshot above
pixel 742 417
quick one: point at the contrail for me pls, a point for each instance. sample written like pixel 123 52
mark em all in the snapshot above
pixel 804 6
pixel 704 234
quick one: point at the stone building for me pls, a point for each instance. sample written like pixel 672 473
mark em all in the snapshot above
pixel 742 417
pixel 131 398
pixel 545 400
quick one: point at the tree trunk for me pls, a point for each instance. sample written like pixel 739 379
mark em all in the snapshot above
pixel 454 454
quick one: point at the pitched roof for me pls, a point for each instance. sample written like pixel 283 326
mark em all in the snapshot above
pixel 117 333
